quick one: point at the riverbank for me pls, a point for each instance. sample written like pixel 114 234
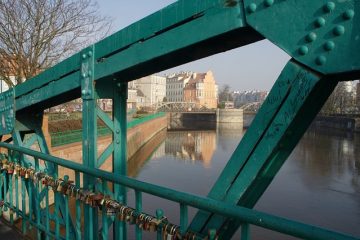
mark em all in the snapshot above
pixel 139 132
pixel 347 123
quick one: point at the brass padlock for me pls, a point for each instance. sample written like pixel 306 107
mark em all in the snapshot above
pixel 77 194
pixel 59 186
pixel 27 174
pixel 31 173
pixel 68 190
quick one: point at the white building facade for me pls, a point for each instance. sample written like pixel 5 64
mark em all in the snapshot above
pixel 175 84
pixel 153 87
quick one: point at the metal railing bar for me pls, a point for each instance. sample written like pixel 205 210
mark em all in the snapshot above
pixel 138 207
pixel 250 216
pixel 33 223
pixel 183 218
pixel 78 207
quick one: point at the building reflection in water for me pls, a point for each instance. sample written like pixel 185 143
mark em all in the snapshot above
pixel 191 145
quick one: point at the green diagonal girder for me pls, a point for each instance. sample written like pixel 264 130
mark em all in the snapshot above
pixel 184 31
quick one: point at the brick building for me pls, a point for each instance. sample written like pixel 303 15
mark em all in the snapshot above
pixel 202 89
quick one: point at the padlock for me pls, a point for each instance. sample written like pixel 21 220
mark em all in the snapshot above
pixel 77 194
pixel 16 170
pixel 68 190
pixel 10 170
pixel 31 173
pixel 26 174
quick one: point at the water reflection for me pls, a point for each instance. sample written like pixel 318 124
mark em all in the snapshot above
pixel 319 183
pixel 191 146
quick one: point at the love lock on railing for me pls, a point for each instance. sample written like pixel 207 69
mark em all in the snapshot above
pixel 97 199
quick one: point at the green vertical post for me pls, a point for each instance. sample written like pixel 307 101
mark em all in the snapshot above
pixel 120 146
pixel 89 134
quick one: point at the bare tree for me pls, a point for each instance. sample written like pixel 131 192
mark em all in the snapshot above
pixel 36 34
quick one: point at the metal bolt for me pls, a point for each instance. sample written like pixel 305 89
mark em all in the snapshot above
pixel 83 75
pixel 311 37
pixel 348 14
pixel 339 30
pixel 321 60
pixel 268 3
pixel 330 6
pixel 117 141
pixel 159 213
pixel 117 131
pixel 90 53
pixel 329 45
pixel 83 92
pixel 89 73
pixel 320 21
pixel 83 56
pixel 66 178
pixel 303 50
pixel 252 8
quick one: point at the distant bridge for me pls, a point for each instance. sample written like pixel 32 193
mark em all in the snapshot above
pixel 181 107
pixel 251 107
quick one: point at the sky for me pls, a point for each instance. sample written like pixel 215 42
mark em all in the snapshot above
pixel 252 67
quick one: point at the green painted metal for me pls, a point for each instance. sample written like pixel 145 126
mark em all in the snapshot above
pixel 7 111
pixel 326 33
pixel 119 164
pixel 320 36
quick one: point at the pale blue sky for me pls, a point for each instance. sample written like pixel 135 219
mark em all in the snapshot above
pixel 255 66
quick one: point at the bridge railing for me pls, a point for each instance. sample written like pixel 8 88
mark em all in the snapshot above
pixel 44 215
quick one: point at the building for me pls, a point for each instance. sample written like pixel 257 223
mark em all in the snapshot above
pixel 245 97
pixel 202 89
pixel 175 84
pixel 153 88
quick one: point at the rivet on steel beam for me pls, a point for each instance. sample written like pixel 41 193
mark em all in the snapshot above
pixel 252 8
pixel 83 56
pixel 90 53
pixel 348 14
pixel 339 30
pixel 117 141
pixel 117 131
pixel 89 73
pixel 83 92
pixel 329 45
pixel 119 85
pixel 66 178
pixel 83 75
pixel 321 60
pixel 330 6
pixel 268 3
pixel 303 50
pixel 311 37
pixel 320 21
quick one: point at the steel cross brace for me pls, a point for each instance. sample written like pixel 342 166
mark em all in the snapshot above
pixel 317 35
pixel 321 37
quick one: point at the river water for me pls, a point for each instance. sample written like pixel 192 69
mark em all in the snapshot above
pixel 319 183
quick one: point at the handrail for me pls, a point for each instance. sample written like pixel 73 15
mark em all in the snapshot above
pixel 251 216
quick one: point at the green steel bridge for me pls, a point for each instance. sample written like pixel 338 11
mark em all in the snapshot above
pixel 322 37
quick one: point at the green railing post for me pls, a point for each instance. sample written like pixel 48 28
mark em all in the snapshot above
pixel 89 136
pixel 119 154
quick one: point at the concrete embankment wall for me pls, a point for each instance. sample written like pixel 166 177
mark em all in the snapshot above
pixel 344 123
pixel 137 136
pixel 229 116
